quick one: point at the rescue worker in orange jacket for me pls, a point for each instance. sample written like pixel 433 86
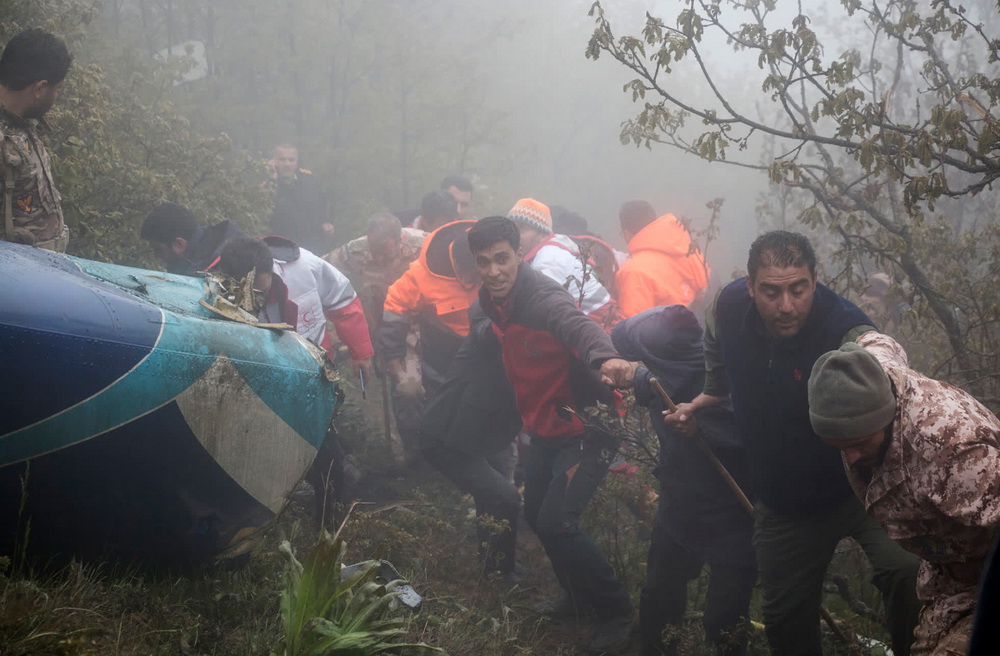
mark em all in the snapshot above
pixel 435 293
pixel 661 269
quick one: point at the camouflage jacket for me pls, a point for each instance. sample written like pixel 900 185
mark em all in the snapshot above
pixel 937 491
pixel 36 204
pixel 372 279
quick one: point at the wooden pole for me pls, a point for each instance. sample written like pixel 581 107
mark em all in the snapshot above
pixel 738 491
pixel 719 467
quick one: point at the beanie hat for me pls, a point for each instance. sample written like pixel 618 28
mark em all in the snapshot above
pixel 532 213
pixel 850 394
pixel 663 333
pixel 667 339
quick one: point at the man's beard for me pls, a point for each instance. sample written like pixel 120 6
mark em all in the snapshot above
pixel 865 469
pixel 39 110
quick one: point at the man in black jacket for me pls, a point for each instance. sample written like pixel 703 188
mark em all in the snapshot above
pixel 763 334
pixel 466 433
pixel 183 246
pixel 559 362
pixel 301 209
pixel 699 518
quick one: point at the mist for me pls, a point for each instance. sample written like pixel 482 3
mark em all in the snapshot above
pixel 385 98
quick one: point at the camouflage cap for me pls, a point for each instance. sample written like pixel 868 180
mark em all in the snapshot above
pixel 850 395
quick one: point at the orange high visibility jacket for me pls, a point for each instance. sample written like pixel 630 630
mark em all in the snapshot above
pixel 660 269
pixel 431 292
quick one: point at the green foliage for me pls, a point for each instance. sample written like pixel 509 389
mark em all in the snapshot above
pixel 122 157
pixel 119 146
pixel 378 103
pixel 881 152
pixel 324 613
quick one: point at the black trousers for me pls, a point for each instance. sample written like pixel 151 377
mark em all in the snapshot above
pixel 669 567
pixel 487 479
pixel 793 553
pixel 561 476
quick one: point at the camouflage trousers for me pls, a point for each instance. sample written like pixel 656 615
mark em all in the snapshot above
pixel 57 243
pixel 24 236
pixel 952 642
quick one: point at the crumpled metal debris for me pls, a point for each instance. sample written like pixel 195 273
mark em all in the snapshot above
pixel 237 300
pixel 387 574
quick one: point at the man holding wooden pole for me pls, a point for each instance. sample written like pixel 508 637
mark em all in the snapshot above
pixel 763 335
pixel 701 518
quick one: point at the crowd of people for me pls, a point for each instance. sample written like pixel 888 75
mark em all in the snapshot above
pixel 786 420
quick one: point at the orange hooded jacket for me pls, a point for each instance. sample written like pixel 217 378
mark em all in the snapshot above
pixel 660 270
pixel 431 290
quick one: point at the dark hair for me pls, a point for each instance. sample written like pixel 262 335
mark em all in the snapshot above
pixel 493 229
pixel 462 260
pixel 636 215
pixel 167 222
pixel 32 56
pixel 458 182
pixel 439 204
pixel 242 255
pixel 781 249
pixel 567 222
pixel 384 226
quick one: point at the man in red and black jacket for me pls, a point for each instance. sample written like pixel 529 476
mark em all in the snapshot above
pixel 559 362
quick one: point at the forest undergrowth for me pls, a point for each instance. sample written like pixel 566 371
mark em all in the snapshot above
pixel 408 515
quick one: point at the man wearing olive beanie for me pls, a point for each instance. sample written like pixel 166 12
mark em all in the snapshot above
pixel 924 457
pixel 849 395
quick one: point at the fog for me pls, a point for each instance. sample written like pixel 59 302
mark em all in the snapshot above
pixel 563 132
pixel 386 97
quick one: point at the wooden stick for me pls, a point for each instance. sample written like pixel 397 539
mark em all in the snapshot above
pixel 719 467
pixel 837 631
pixel 738 491
pixel 386 411
pixel 663 394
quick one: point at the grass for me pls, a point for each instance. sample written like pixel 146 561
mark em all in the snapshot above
pixel 98 610
pixel 416 520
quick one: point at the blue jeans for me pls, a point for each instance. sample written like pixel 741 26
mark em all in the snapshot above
pixel 560 477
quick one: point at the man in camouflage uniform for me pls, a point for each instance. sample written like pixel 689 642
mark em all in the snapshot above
pixel 377 260
pixel 32 69
pixel 373 262
pixel 925 459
